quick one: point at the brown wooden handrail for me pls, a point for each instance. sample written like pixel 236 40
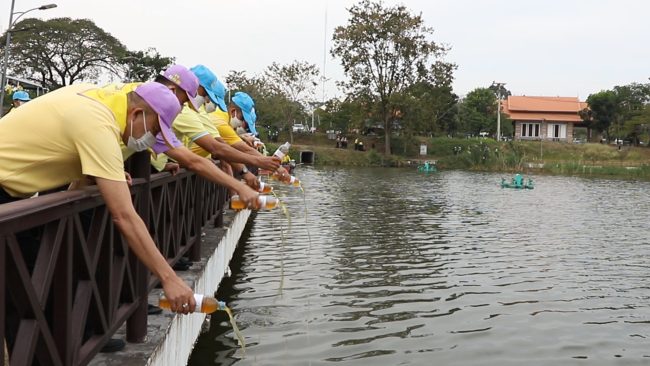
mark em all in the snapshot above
pixel 67 278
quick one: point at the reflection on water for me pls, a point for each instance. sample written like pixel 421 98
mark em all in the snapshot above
pixel 412 269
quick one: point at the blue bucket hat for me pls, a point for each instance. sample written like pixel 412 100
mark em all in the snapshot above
pixel 215 89
pixel 21 95
pixel 247 106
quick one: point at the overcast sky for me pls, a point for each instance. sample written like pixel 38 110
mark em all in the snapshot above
pixel 550 47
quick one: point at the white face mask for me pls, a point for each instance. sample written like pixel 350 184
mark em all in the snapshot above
pixel 210 107
pixel 199 101
pixel 236 122
pixel 143 143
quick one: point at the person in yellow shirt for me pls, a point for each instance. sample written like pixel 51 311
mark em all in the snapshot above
pixel 240 111
pixel 71 133
pixel 227 120
pixel 183 85
pixel 209 142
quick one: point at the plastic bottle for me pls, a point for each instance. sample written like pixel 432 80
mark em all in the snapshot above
pixel 265 188
pixel 263 202
pixel 282 150
pixel 287 179
pixel 204 304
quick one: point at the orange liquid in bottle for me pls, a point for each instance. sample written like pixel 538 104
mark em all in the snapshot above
pixel 271 203
pixel 208 304
pixel 263 202
pixel 236 203
pixel 265 188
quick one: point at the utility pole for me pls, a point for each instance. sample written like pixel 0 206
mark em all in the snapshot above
pixel 498 87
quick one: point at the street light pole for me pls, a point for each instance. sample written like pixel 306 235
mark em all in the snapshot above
pixel 498 93
pixel 3 81
pixel 499 119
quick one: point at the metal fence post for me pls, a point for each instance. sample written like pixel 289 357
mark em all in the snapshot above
pixel 199 215
pixel 136 325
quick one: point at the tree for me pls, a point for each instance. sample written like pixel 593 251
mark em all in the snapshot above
pixel 478 111
pixel 294 87
pixel 637 128
pixel 618 110
pixel 428 109
pixel 383 50
pixel 604 109
pixel 144 65
pixel 61 51
pixel 342 115
pixel 500 90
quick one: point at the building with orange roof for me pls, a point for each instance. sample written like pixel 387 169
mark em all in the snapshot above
pixel 544 118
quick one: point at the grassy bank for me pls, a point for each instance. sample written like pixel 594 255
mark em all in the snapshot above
pixel 487 155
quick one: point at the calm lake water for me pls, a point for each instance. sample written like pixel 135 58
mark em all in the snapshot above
pixel 394 267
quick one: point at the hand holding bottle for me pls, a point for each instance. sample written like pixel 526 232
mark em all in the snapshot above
pixel 263 203
pixel 204 304
pixel 180 297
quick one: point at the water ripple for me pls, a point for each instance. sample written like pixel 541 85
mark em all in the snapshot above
pixel 450 269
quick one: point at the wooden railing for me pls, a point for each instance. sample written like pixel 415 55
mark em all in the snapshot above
pixel 67 278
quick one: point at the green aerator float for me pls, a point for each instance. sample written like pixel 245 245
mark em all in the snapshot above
pixel 517 182
pixel 427 167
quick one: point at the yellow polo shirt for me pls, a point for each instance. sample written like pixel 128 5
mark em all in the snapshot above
pixel 221 121
pixel 190 126
pixel 58 138
pixel 158 161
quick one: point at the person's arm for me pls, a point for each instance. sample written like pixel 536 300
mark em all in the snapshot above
pixel 118 201
pixel 248 139
pixel 247 176
pixel 224 151
pixel 209 171
pixel 245 148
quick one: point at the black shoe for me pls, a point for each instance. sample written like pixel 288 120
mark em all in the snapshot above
pixel 181 267
pixel 185 261
pixel 113 345
pixel 153 310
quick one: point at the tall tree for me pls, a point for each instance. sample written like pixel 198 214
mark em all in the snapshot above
pixel 296 84
pixel 618 110
pixel 428 109
pixel 144 65
pixel 383 50
pixel 61 51
pixel 637 128
pixel 478 111
pixel 604 110
pixel 342 114
pixel 500 90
